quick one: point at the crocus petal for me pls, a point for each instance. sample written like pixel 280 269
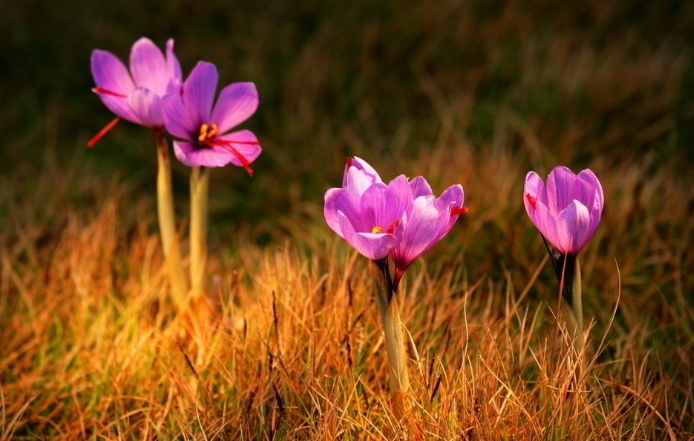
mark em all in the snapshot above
pixel 561 184
pixel 373 246
pixel 366 170
pixel 146 105
pixel 198 91
pixel 535 188
pixel 330 208
pixel 422 227
pixel 357 180
pixel 545 222
pixel 452 197
pixel 420 187
pixel 111 75
pixel 573 228
pixel 236 103
pixel 148 66
pixel 173 67
pixel 245 143
pixel 194 156
pixel 178 120
pixel 593 197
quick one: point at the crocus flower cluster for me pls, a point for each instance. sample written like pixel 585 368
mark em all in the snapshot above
pixel 567 210
pixel 402 219
pixel 152 94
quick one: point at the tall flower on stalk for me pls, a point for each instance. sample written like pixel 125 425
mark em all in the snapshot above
pixel 135 94
pixel 202 126
pixel 399 220
pixel 567 212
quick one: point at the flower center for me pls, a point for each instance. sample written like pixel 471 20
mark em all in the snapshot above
pixel 208 137
pixel 389 230
pixel 207 133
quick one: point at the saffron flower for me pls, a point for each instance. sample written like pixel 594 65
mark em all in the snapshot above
pixel 135 95
pixel 567 210
pixel 427 221
pixel 403 218
pixel 201 125
pixel 366 212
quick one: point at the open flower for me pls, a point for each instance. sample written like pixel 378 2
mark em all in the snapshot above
pixel 403 218
pixel 135 95
pixel 567 210
pixel 202 127
pixel 426 222
pixel 366 212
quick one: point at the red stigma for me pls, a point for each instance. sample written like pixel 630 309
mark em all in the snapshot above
pixel 228 145
pixel 92 142
pixel 103 91
pixel 459 210
pixel 531 199
pixel 392 227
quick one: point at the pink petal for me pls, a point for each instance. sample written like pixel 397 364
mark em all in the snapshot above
pixel 573 228
pixel 561 184
pixel 178 119
pixel 111 75
pixel 373 246
pixel 420 187
pixel 173 67
pixel 366 170
pixel 193 156
pixel 245 143
pixel 146 105
pixel 148 66
pixel 236 103
pixel 198 91
pixel 422 228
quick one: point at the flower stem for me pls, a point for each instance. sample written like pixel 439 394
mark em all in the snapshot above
pixel 395 345
pixel 199 194
pixel 570 285
pixel 167 224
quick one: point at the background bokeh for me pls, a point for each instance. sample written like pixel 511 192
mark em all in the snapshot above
pixel 387 80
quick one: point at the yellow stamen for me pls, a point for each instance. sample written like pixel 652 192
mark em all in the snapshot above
pixel 203 132
pixel 207 132
pixel 377 230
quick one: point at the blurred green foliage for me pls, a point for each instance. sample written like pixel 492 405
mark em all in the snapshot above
pixel 385 80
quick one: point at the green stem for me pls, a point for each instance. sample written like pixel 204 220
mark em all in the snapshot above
pixel 570 285
pixel 395 344
pixel 167 224
pixel 199 195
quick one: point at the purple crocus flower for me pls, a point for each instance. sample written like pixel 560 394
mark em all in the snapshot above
pixel 402 218
pixel 426 222
pixel 567 210
pixel 366 212
pixel 135 95
pixel 202 126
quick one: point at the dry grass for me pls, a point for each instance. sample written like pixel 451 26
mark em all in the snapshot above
pixel 93 348
pixel 476 93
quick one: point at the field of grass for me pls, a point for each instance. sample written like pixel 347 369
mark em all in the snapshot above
pixel 476 93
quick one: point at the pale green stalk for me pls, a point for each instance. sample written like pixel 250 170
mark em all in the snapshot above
pixel 167 225
pixel 395 344
pixel 199 195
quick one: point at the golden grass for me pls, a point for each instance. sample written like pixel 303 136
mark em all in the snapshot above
pixel 93 348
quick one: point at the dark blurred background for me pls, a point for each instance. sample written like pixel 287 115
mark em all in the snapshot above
pixel 386 80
